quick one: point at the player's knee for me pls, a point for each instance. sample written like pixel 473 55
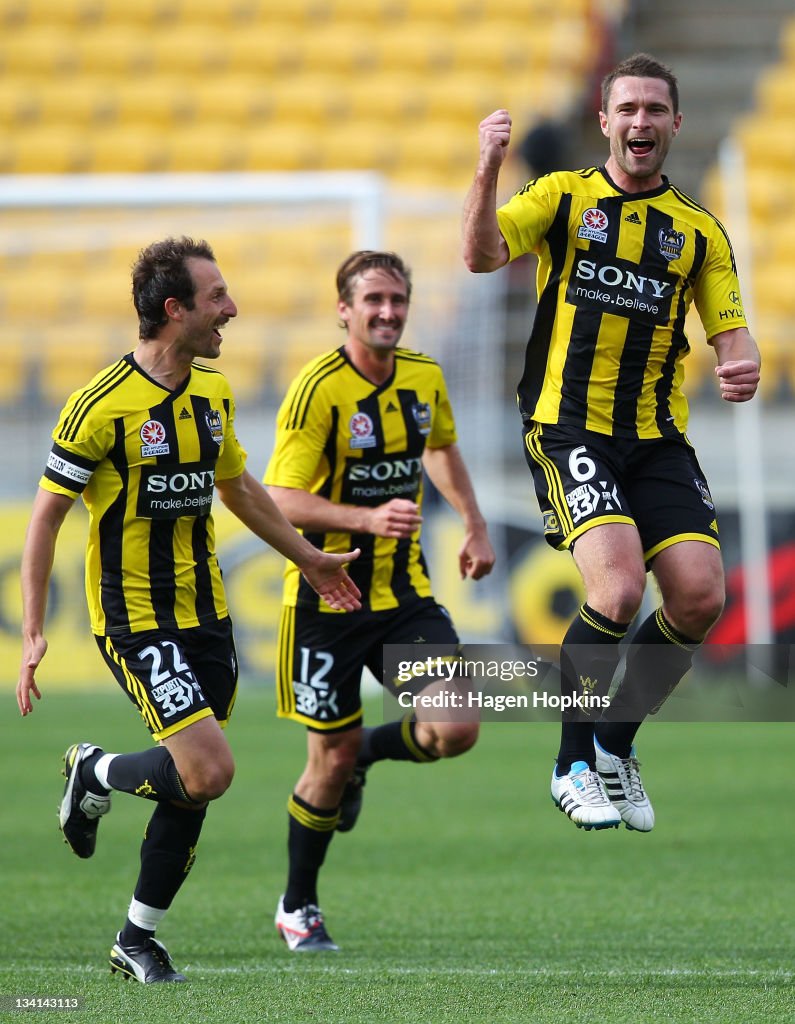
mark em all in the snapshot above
pixel 205 782
pixel 696 611
pixel 455 738
pixel 620 598
pixel 338 761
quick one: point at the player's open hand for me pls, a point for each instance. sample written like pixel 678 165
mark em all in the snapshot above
pixel 495 134
pixel 33 651
pixel 329 578
pixel 739 379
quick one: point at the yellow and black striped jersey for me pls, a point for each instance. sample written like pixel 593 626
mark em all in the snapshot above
pixel 617 273
pixel 358 443
pixel 145 460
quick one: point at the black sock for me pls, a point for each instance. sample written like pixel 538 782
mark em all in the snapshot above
pixel 658 657
pixel 394 741
pixel 589 655
pixel 167 855
pixel 310 830
pixel 151 774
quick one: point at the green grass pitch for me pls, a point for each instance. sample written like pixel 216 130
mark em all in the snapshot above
pixel 462 895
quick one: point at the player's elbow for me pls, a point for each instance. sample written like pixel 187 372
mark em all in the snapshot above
pixel 478 262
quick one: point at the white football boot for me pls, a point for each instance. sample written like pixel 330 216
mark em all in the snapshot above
pixel 621 778
pixel 581 795
pixel 303 930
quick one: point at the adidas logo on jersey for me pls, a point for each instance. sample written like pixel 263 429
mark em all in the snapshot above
pixel 632 218
pixel 184 415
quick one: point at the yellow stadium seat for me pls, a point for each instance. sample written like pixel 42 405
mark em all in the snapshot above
pixel 438 146
pixel 146 14
pixel 188 50
pixel 79 100
pixel 775 90
pixel 754 135
pixel 29 293
pixel 206 146
pixel 339 47
pixel 418 46
pixel 47 13
pixel 15 356
pixel 160 101
pixel 526 13
pixel 68 364
pixel 36 50
pixel 223 15
pixel 279 147
pixel 19 101
pixel 125 149
pixel 50 149
pixel 350 145
pixel 391 97
pixel 450 13
pixel 120 50
pixel 773 293
pixel 239 99
pixel 104 292
pixel 309 98
pixel 263 48
pixel 498 47
pixel 464 97
pixel 375 13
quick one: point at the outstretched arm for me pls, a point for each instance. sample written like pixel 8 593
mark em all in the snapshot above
pixel 247 498
pixel 49 512
pixel 738 366
pixel 484 247
pixel 449 475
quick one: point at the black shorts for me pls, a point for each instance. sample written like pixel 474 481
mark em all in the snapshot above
pixel 176 677
pixel 583 479
pixel 321 657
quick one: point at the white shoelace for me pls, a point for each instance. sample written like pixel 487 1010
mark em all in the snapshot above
pixel 592 792
pixel 629 773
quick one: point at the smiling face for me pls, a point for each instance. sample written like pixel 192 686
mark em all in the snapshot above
pixel 376 315
pixel 640 123
pixel 212 309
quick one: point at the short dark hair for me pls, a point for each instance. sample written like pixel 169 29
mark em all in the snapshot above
pixel 641 65
pixel 369 259
pixel 161 272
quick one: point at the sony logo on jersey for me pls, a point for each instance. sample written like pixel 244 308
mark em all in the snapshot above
pixel 158 483
pixel 394 469
pixel 615 277
pixel 180 490
pixel 619 287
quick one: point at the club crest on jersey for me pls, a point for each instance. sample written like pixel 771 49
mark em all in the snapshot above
pixel 671 243
pixel 362 431
pixel 594 225
pixel 153 435
pixel 421 412
pixel 215 425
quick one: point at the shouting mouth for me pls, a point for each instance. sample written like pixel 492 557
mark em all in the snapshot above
pixel 640 146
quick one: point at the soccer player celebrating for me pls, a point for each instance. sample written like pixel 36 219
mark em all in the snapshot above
pixel 145 443
pixel 622 255
pixel 354 432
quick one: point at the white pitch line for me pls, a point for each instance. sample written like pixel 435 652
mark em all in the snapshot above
pixel 780 974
